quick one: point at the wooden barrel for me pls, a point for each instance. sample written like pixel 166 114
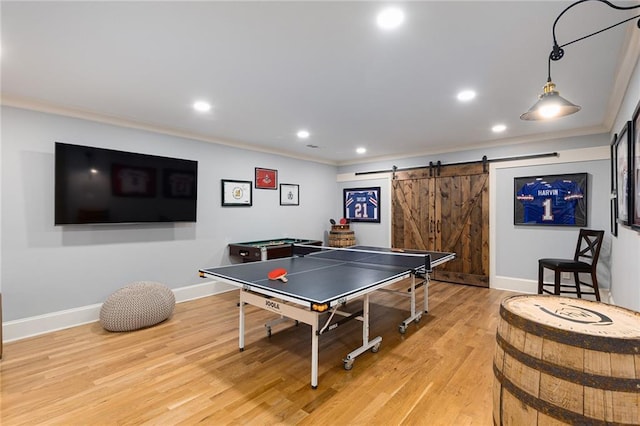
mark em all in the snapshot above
pixel 341 236
pixel 561 360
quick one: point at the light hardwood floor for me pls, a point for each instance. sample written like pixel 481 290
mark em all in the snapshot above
pixel 188 369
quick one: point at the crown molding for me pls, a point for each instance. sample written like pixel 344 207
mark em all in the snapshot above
pixel 49 108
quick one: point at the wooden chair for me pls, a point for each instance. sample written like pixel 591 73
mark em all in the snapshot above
pixel 584 261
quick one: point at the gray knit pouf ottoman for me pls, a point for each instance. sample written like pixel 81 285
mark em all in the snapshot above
pixel 138 305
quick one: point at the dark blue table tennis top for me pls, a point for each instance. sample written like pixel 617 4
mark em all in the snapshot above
pixel 326 276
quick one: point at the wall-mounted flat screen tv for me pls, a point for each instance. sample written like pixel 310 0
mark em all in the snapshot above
pixel 97 185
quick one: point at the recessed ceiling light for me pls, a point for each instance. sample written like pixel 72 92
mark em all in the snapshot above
pixel 499 128
pixel 466 95
pixel 303 134
pixel 390 18
pixel 361 150
pixel 202 106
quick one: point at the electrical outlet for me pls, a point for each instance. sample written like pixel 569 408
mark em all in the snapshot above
pixel 566 276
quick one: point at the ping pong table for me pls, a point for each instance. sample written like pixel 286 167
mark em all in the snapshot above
pixel 321 280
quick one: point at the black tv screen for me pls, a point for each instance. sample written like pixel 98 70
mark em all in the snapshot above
pixel 97 185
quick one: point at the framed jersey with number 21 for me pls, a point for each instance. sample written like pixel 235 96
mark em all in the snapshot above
pixel 362 204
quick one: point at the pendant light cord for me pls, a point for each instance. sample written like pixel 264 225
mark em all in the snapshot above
pixel 557 52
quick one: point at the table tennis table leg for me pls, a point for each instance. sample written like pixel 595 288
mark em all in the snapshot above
pixel 416 316
pixel 413 296
pixel 425 284
pixel 314 353
pixel 241 325
pixel 365 321
pixel 373 344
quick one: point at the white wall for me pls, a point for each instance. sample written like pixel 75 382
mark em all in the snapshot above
pixel 625 265
pixel 369 233
pixel 47 268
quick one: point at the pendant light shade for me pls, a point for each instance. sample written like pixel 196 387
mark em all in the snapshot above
pixel 550 105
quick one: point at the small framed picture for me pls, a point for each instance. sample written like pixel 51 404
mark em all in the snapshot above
pixel 622 167
pixel 614 217
pixel 236 193
pixel 289 194
pixel 266 178
pixel 362 204
pixel 614 198
pixel 635 177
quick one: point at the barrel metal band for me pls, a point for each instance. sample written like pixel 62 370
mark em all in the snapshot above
pixel 547 408
pixel 619 384
pixel 588 341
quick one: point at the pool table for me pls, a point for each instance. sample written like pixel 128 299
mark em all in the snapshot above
pixel 252 251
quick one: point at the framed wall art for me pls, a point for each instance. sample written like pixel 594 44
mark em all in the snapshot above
pixel 552 200
pixel 362 204
pixel 236 193
pixel 266 178
pixel 289 194
pixel 614 200
pixel 614 216
pixel 622 161
pixel 635 136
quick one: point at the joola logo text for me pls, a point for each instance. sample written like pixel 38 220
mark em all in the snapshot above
pixel 272 305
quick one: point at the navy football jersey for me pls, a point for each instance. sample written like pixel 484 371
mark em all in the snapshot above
pixel 553 202
pixel 361 205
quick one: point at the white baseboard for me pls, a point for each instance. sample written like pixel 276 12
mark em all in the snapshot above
pixel 41 324
pixel 204 289
pixel 520 285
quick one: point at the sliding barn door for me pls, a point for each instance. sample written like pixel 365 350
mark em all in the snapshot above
pixel 445 211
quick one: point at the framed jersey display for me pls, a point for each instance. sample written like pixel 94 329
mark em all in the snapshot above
pixel 622 165
pixel 557 200
pixel 362 204
pixel 635 176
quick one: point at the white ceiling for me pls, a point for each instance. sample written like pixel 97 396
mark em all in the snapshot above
pixel 270 68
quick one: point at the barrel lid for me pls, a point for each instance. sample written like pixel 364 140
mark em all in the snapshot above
pixel 577 316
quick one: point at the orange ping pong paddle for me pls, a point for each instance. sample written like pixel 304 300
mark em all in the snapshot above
pixel 278 274
pixel 343 221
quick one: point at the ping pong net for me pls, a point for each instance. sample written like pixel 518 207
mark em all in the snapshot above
pixel 371 257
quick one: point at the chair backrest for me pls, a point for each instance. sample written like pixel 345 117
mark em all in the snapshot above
pixel 589 244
